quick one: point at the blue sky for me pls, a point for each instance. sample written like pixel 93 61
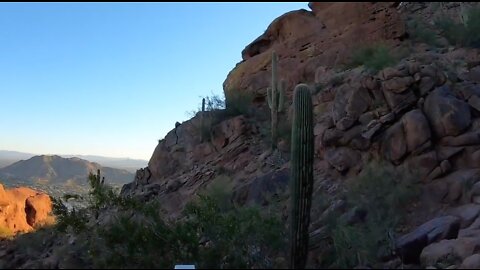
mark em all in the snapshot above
pixel 112 79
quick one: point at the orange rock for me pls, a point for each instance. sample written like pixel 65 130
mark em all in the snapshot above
pixel 305 40
pixel 22 209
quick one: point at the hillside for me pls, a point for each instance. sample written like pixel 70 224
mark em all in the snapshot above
pixel 396 170
pixel 55 170
pixel 10 157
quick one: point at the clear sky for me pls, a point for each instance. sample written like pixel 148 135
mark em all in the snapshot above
pixel 112 79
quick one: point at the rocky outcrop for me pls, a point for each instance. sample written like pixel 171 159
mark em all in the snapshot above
pixel 421 115
pixel 309 40
pixel 23 209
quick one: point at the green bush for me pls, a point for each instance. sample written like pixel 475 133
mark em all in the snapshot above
pixel 218 109
pixel 238 102
pixel 374 57
pixel 141 240
pixel 65 219
pixel 233 103
pixel 462 34
pixel 212 232
pixel 239 237
pixel 419 32
pixel 211 235
pixel 100 196
pixel 453 32
pixel 384 193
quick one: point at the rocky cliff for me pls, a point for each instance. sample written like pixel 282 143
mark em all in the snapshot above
pixel 309 41
pixel 421 114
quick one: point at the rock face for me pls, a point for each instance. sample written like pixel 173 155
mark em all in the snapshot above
pixel 421 114
pixel 23 209
pixel 309 40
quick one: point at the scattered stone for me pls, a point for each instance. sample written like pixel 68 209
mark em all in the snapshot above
pixel 410 245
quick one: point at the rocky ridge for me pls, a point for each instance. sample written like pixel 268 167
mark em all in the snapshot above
pixel 421 114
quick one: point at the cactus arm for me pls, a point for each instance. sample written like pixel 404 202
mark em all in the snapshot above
pixel 281 96
pixel 273 101
pixel 274 72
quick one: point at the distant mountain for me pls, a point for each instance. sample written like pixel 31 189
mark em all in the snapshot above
pixel 121 163
pixel 10 157
pixel 56 170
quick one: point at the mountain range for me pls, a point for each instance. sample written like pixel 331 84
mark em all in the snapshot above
pixel 56 170
pixel 10 157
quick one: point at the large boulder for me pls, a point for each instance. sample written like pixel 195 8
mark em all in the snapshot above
pixel 23 209
pixel 448 115
pixel 411 245
pixel 417 130
pixel 472 262
pixel 456 249
pixel 406 136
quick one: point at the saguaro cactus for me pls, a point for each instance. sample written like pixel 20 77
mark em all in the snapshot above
pixel 275 96
pixel 301 175
pixel 96 180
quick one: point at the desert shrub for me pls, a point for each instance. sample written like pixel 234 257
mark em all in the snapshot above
pixel 453 32
pixel 100 196
pixel 239 237
pixel 233 103
pixel 462 34
pixel 238 103
pixel 419 32
pixel 384 194
pixel 473 27
pixel 142 240
pixel 213 232
pixel 373 57
pixel 218 109
pixel 69 219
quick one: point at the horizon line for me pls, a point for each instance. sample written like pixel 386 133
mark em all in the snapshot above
pixel 57 154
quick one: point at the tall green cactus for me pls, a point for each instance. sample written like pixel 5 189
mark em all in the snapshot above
pixel 96 180
pixel 275 96
pixel 301 175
